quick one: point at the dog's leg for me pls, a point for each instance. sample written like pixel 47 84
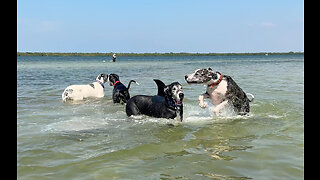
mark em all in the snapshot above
pixel 219 107
pixel 132 109
pixel 202 104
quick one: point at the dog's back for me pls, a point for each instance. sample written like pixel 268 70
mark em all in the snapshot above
pixel 79 92
pixel 237 97
pixel 149 105
pixel 120 94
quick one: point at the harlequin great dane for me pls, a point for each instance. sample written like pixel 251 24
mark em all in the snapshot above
pixel 222 91
pixel 79 92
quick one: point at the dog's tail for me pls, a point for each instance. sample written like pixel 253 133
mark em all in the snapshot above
pixel 131 82
pixel 161 87
pixel 65 94
pixel 252 97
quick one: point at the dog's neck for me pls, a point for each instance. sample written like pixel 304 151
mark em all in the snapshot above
pixel 100 83
pixel 114 84
pixel 178 108
pixel 212 83
pixel 171 104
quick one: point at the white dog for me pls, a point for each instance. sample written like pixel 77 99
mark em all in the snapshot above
pixel 79 92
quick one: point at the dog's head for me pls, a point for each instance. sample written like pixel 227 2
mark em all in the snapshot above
pixel 202 76
pixel 174 91
pixel 103 78
pixel 113 78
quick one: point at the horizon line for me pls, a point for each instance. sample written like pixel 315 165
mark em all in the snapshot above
pixel 201 53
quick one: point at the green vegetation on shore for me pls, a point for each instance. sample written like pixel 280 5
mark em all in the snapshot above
pixel 153 54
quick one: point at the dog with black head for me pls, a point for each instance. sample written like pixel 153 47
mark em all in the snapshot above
pixel 166 104
pixel 120 93
pixel 222 90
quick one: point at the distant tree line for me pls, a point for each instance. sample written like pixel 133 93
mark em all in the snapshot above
pixel 153 54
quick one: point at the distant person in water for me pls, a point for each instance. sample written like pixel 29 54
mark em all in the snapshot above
pixel 114 57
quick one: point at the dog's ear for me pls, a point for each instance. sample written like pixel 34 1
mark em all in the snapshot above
pixel 213 75
pixel 113 77
pixel 116 76
pixel 99 76
pixel 161 87
pixel 167 91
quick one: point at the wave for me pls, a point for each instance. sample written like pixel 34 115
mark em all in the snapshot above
pixel 97 114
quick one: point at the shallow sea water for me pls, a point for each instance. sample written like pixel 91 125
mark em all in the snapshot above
pixel 94 139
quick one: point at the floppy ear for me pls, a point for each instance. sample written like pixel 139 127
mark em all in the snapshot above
pixel 210 69
pixel 113 77
pixel 167 91
pixel 213 75
pixel 99 76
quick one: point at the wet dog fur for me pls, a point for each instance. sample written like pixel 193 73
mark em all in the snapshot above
pixel 166 104
pixel 221 89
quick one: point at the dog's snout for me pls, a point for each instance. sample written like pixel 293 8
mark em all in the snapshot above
pixel 181 95
pixel 186 77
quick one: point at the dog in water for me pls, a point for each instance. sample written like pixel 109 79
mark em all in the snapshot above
pixel 79 92
pixel 166 104
pixel 120 92
pixel 222 91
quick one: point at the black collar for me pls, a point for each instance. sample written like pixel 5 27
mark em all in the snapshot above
pixel 172 105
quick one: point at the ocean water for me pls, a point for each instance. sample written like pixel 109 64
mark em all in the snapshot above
pixel 94 139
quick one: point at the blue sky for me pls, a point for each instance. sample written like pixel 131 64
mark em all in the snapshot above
pixel 160 26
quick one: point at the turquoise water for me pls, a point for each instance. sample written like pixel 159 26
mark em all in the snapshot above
pixel 94 139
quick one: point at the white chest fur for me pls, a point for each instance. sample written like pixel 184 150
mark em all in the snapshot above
pixel 218 93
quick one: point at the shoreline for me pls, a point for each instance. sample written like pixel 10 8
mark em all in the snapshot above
pixel 155 54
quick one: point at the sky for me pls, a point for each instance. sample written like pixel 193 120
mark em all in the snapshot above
pixel 147 26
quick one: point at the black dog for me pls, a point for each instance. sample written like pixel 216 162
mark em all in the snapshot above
pixel 167 104
pixel 120 92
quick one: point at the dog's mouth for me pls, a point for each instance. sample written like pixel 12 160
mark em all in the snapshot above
pixel 179 100
pixel 193 80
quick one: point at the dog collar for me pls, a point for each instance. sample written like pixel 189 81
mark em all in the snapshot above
pixel 100 83
pixel 173 105
pixel 115 83
pixel 218 81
